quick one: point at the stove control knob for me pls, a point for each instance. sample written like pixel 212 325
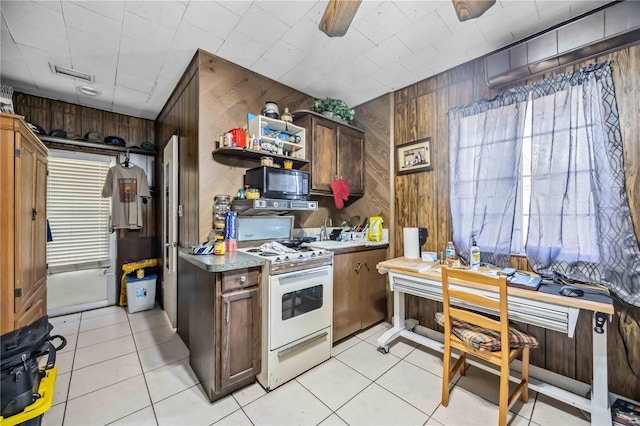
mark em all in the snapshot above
pixel 313 254
pixel 301 257
pixel 286 258
pixel 277 259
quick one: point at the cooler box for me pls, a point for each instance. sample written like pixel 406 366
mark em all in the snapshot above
pixel 141 293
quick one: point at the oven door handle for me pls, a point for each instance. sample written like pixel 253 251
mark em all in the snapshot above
pixel 300 274
pixel 297 346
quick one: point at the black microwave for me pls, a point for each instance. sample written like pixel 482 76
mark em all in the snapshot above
pixel 274 182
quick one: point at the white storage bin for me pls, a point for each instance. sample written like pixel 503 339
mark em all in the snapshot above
pixel 141 293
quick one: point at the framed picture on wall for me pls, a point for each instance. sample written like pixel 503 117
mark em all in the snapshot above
pixel 413 157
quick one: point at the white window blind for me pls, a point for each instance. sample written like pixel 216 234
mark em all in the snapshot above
pixel 77 213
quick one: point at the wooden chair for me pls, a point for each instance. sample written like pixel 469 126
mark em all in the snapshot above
pixel 475 334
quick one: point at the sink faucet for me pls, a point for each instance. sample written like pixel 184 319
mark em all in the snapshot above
pixel 323 231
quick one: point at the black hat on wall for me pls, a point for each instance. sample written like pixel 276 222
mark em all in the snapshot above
pixel 114 140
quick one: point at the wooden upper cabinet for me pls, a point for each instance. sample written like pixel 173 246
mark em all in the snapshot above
pixel 334 151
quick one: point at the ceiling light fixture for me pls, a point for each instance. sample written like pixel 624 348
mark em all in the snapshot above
pixel 89 91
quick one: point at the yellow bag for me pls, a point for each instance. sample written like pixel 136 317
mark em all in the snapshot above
pixel 375 229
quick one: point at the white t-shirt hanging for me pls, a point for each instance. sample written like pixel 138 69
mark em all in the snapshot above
pixel 126 187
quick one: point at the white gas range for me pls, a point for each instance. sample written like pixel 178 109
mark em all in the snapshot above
pixel 297 308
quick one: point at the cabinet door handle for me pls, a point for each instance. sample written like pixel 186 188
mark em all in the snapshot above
pixel 367 266
pixel 357 269
pixel 243 279
pixel 227 312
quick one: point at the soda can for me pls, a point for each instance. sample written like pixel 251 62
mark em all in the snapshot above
pixel 230 226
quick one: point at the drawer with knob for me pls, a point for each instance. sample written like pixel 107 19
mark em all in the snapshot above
pixel 240 278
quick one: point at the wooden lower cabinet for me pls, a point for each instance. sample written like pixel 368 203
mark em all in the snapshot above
pixel 359 292
pixel 219 320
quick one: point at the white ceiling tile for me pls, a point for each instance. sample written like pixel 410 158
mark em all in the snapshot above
pixel 176 63
pixel 285 55
pixel 323 61
pixel 139 69
pixel 58 94
pixel 461 40
pixel 19 85
pixel 240 49
pixel 14 69
pixel 557 11
pixel 34 15
pixel 448 15
pixel 388 51
pixel 40 38
pixel 211 17
pixel 148 56
pixel 354 42
pixel 110 9
pixel 193 38
pixel 357 66
pixel 290 12
pixel 80 43
pixel 96 102
pixel 54 5
pixel 421 60
pixel 390 74
pixel 37 58
pixel 146 31
pixel 305 35
pixel 423 32
pixel 416 10
pixel 578 8
pixel 239 7
pixel 382 22
pixel 167 14
pixel 369 5
pixel 273 70
pixel 301 76
pixel 127 109
pixel 135 83
pixel 89 22
pixel 261 26
pixel 318 9
pixel 123 95
pixel 104 65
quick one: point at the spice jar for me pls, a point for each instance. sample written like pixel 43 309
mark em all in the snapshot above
pixel 266 161
pixel 252 193
pixel 221 206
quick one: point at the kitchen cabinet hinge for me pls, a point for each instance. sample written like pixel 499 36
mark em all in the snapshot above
pixel 34 213
pixel 17 153
pixel 17 292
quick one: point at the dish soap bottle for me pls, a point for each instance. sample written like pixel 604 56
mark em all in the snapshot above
pixel 474 258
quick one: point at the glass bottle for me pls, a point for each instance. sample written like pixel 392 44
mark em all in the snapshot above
pixel 450 253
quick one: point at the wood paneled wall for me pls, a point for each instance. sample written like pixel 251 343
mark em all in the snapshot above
pixel 227 93
pixel 374 118
pixel 180 116
pixel 422 199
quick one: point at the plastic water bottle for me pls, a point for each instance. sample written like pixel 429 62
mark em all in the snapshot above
pixel 474 258
pixel 450 253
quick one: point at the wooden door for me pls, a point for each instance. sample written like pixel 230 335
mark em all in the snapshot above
pixel 350 158
pixel 374 302
pixel 346 297
pixel 240 336
pixel 323 154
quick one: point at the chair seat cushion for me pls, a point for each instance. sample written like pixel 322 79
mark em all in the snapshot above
pixel 484 339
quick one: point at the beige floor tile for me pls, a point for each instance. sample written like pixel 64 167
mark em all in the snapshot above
pixel 290 404
pixel 103 334
pixel 367 360
pixel 61 388
pixel 166 353
pixel 157 336
pixel 333 383
pixel 148 312
pixel 377 406
pixel 149 322
pixel 72 339
pixel 418 387
pixel 104 374
pixel 249 394
pixel 548 411
pixel 433 422
pixel 54 416
pixel 332 420
pixel 466 408
pixel 64 362
pixel 144 417
pixel 106 320
pixel 344 345
pixel 427 359
pixel 170 379
pixel 102 311
pixel 108 404
pixel 383 326
pixel 64 319
pixel 103 352
pixel 237 418
pixel 66 328
pixel 400 347
pixel 487 385
pixel 192 407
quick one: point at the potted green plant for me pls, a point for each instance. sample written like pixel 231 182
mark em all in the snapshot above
pixel 334 108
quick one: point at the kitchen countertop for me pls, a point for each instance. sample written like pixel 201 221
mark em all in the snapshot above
pixel 216 263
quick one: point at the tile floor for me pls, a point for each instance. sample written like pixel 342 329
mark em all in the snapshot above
pixel 134 369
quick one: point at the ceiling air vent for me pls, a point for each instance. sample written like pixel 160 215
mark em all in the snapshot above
pixel 604 31
pixel 68 72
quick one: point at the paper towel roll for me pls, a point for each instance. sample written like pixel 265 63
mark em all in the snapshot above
pixel 411 243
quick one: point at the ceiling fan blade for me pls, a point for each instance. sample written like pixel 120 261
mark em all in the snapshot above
pixel 338 17
pixel 469 9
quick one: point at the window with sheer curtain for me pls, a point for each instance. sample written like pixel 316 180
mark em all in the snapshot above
pixel 77 213
pixel 555 187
